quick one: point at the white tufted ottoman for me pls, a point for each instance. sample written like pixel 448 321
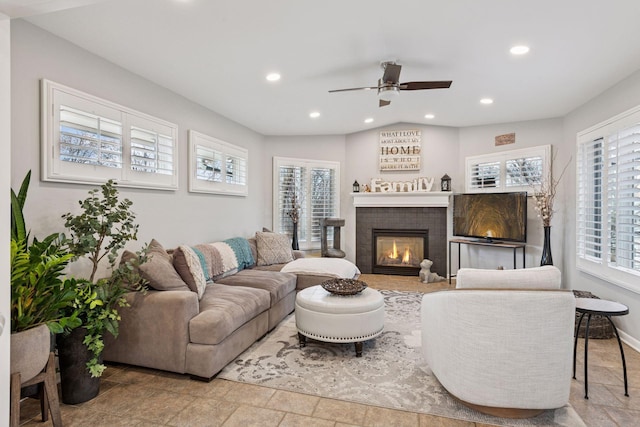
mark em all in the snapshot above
pixel 323 316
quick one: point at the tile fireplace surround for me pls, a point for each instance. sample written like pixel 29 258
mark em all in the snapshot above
pixel 402 211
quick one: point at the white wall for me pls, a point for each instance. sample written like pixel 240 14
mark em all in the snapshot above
pixel 5 184
pixel 619 98
pixel 172 217
pixel 481 140
pixel 439 156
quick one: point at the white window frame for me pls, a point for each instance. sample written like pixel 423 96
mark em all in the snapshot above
pixel 55 95
pixel 500 159
pixel 226 151
pixel 600 265
pixel 304 244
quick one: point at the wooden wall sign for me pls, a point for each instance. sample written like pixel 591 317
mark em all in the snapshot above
pixel 507 138
pixel 400 150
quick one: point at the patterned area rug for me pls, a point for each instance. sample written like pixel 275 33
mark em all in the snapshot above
pixel 391 372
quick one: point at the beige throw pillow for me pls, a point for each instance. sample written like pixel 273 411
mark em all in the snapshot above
pixel 273 248
pixel 189 267
pixel 159 270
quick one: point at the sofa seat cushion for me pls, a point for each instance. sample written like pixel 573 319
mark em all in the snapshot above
pixel 223 309
pixel 272 267
pixel 278 284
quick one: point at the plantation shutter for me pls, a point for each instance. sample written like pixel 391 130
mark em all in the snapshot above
pixel 208 164
pixel 89 138
pixel 291 185
pixel 314 186
pixel 623 201
pixel 86 139
pixel 589 206
pixel 216 166
pixel 152 150
pixel 507 171
pixel 525 171
pixel 322 199
pixel 236 170
pixel 484 175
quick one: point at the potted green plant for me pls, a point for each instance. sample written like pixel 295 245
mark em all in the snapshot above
pixel 103 228
pixel 39 295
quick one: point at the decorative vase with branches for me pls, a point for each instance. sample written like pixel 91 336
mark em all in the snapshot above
pixel 544 194
pixel 294 213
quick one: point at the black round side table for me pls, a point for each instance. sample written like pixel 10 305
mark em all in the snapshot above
pixel 590 306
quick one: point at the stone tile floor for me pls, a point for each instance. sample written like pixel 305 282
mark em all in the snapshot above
pixel 131 396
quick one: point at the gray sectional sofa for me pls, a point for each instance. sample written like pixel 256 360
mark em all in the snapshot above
pixel 201 310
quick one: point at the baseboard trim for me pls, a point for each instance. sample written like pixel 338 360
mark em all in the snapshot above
pixel 629 340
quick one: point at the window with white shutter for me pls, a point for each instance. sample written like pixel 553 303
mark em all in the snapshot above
pixel 513 170
pixel 89 140
pixel 310 186
pixel 608 200
pixel 217 167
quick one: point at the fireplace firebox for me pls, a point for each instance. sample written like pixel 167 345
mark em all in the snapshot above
pixel 399 252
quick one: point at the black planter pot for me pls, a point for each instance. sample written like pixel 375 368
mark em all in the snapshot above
pixel 77 384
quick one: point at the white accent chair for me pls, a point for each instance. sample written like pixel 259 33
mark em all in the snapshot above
pixel 505 347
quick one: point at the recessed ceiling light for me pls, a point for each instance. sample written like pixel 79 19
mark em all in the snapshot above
pixel 273 77
pixel 429 116
pixel 486 101
pixel 519 50
pixel 314 114
pixel 368 120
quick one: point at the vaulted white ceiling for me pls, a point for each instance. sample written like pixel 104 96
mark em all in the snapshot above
pixel 218 52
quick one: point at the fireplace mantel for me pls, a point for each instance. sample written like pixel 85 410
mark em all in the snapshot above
pixel 418 199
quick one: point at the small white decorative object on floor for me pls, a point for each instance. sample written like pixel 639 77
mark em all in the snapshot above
pixel 426 276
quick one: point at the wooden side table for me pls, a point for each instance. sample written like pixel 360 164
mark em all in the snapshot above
pixel 591 306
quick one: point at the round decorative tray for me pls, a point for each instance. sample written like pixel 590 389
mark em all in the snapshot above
pixel 343 286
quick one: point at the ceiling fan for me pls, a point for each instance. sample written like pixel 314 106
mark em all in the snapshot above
pixel 389 86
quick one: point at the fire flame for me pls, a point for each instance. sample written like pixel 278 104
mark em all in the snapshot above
pixel 406 257
pixel 393 254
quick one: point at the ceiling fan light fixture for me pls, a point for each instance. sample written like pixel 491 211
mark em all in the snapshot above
pixel 388 93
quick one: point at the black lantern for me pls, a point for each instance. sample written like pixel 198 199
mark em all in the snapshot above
pixel 445 183
pixel 356 187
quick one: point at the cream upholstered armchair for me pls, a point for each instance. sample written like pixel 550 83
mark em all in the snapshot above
pixel 502 341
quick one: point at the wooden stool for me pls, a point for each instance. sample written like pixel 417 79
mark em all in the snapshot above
pixel 48 394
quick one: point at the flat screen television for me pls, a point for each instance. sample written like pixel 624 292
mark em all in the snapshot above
pixel 492 217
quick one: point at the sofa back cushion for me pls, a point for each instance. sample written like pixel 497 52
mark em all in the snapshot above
pixel 273 248
pixel 546 277
pixel 159 270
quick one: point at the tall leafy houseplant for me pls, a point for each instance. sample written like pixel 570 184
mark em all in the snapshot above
pixel 39 293
pixel 103 228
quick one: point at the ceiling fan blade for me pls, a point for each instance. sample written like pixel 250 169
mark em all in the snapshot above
pixel 353 88
pixel 425 85
pixel 391 73
pixel 384 103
